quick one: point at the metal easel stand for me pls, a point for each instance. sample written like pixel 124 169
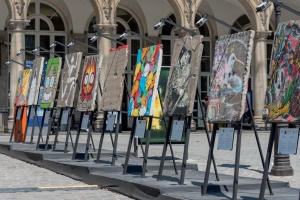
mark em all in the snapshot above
pixel 69 134
pixel 28 118
pixel 41 129
pixel 20 124
pixel 33 125
pixel 77 137
pixel 207 135
pixel 57 129
pixel 14 124
pixel 49 128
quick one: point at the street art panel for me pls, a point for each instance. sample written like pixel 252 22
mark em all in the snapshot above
pixel 114 83
pixel 183 78
pixel 229 79
pixel 22 87
pixel 69 77
pixel 89 83
pixel 35 81
pixel 283 93
pixel 145 81
pixel 51 82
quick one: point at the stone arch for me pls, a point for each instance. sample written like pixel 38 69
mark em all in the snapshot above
pixel 105 10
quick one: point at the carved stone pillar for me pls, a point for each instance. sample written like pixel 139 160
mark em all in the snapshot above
pixel 17 42
pixel 104 46
pixel 260 74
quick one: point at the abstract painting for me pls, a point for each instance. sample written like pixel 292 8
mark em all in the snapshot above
pixel 51 82
pixel 35 81
pixel 229 78
pixel 89 83
pixel 183 77
pixel 283 93
pixel 145 81
pixel 22 87
pixel 69 77
pixel 114 83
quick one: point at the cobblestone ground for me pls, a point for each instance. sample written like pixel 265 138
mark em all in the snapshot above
pixel 20 180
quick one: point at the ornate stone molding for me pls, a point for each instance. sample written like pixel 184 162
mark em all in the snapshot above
pixel 107 8
pixel 17 25
pixel 19 4
pixel 262 35
pixel 188 4
pixel 105 28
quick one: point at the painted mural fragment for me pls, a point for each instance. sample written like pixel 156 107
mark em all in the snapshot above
pixel 22 87
pixel 68 80
pixel 229 79
pixel 183 77
pixel 283 94
pixel 114 83
pixel 35 81
pixel 145 81
pixel 51 82
pixel 89 83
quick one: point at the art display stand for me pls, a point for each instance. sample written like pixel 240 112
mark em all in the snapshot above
pixel 268 158
pixel 28 117
pixel 33 125
pixel 237 156
pixel 46 147
pixel 14 124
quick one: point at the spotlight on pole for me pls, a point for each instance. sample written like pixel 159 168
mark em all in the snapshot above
pixel 160 24
pixel 94 38
pixel 7 63
pixel 19 52
pixel 70 44
pixel 201 22
pixel 263 6
pixel 52 45
pixel 123 36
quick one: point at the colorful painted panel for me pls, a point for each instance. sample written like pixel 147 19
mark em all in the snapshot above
pixel 283 94
pixel 22 87
pixel 114 83
pixel 229 79
pixel 51 82
pixel 145 81
pixel 35 81
pixel 183 78
pixel 89 83
pixel 68 80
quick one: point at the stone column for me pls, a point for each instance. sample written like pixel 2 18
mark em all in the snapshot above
pixel 104 46
pixel 260 74
pixel 17 42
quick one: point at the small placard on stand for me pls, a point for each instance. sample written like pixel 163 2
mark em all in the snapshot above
pixel 177 129
pixel 140 128
pixel 85 121
pixel 19 114
pixel 288 141
pixel 47 116
pixel 64 117
pixel 226 136
pixel 110 122
pixel 31 114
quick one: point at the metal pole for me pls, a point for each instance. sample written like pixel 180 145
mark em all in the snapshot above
pixel 77 137
pixel 41 129
pixel 87 147
pixel 267 162
pixel 15 118
pixel 28 118
pixel 147 147
pixel 33 125
pixel 102 137
pixel 68 130
pixel 57 130
pixel 49 128
pixel 132 133
pixel 115 144
pixel 20 124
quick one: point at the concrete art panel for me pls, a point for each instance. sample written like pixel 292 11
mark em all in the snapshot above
pixel 183 77
pixel 283 93
pixel 35 81
pixel 22 87
pixel 145 81
pixel 69 77
pixel 89 83
pixel 229 79
pixel 114 83
pixel 51 82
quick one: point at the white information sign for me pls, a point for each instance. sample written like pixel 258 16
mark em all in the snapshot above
pixel 140 128
pixel 19 114
pixel 47 116
pixel 288 141
pixel 64 118
pixel 177 129
pixel 226 136
pixel 31 114
pixel 85 121
pixel 110 122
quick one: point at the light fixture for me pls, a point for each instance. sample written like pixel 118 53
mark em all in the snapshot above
pixel 125 34
pixel 10 60
pixel 205 17
pixel 23 50
pixel 263 6
pixel 164 20
pixel 19 53
pixel 95 37
pixel 83 44
pixel 7 63
pixel 53 45
pixel 38 48
pixel 70 44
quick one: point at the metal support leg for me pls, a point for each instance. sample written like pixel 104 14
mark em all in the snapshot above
pixel 147 147
pixel 210 153
pixel 87 147
pixel 28 118
pixel 163 156
pixel 258 144
pixel 77 137
pixel 14 124
pixel 207 135
pixel 101 138
pixel 33 125
pixel 267 162
pixel 115 144
pixel 20 124
pixel 132 133
pixel 41 129
pixel 237 162
pixel 68 130
pixel 57 130
pixel 186 149
pixel 49 127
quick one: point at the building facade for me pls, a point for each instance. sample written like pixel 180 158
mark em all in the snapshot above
pixel 25 24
